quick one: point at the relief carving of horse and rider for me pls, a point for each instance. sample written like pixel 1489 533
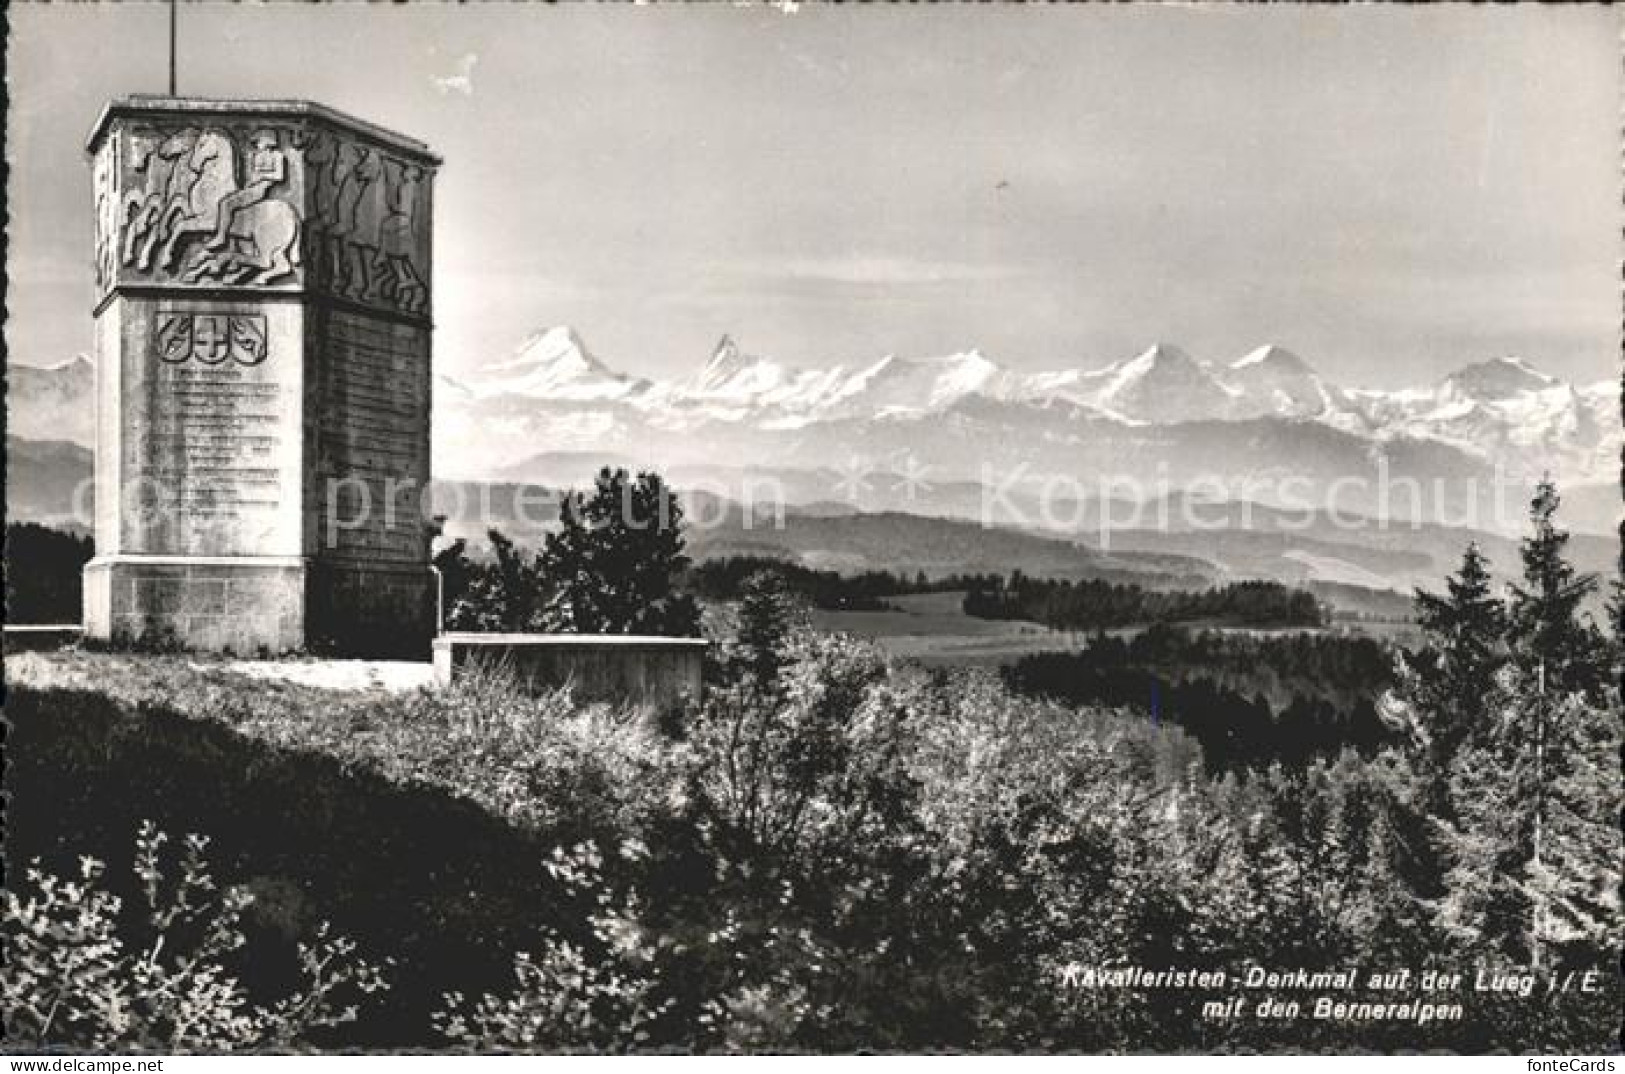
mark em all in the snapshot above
pixel 206 212
pixel 364 213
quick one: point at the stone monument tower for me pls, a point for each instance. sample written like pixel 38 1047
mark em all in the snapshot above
pixel 262 330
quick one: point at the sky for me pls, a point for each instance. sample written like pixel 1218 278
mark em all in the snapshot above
pixel 1390 192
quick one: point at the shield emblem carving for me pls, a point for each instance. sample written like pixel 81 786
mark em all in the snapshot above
pixel 175 338
pixel 211 338
pixel 248 340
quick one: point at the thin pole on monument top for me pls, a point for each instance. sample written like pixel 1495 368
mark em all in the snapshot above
pixel 172 6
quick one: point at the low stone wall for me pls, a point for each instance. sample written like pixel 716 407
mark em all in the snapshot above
pixel 20 638
pixel 658 672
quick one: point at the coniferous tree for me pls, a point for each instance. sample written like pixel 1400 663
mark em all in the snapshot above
pixel 1561 671
pixel 502 595
pixel 768 612
pixel 612 566
pixel 1552 643
pixel 1533 840
pixel 42 569
pixel 1486 908
pixel 1574 882
pixel 1447 684
pixel 1388 914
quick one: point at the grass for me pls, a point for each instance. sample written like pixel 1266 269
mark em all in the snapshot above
pixel 481 739
pixel 419 823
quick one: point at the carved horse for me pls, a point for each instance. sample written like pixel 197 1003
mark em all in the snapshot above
pixel 209 174
pixel 144 209
pixel 263 246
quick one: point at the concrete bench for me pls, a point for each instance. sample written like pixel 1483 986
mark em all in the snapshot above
pixel 635 669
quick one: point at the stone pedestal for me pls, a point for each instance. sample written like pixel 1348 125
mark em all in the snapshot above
pixel 262 379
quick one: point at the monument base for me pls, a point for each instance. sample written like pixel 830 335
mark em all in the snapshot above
pixel 258 605
pixel 244 605
pixel 380 610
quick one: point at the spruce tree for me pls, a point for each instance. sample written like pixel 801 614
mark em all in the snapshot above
pixel 1535 845
pixel 1574 882
pixel 1449 681
pixel 768 612
pixel 1552 643
pixel 1388 918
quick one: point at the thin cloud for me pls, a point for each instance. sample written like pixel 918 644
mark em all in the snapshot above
pixel 892 270
pixel 462 82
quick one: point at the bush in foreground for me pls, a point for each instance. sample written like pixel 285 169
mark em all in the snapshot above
pixel 80 974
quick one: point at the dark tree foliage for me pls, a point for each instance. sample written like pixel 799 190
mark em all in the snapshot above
pixel 612 567
pixel 768 613
pixel 1250 701
pixel 860 855
pixel 1544 614
pixel 504 594
pixel 613 564
pixel 1463 647
pixel 43 568
pixel 1512 710
pixel 847 853
pixel 1100 605
pixel 724 578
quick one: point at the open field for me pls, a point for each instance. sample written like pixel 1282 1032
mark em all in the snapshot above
pixel 931 628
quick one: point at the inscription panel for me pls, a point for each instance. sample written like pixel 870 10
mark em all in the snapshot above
pixel 212 445
pixel 373 445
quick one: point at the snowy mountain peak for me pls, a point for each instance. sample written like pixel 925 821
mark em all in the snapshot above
pixel 52 402
pixel 725 363
pixel 726 351
pixel 1498 378
pixel 972 360
pixel 909 384
pixel 1160 356
pixel 1163 383
pixel 733 374
pixel 558 349
pixel 969 369
pixel 962 374
pixel 1504 409
pixel 80 365
pixel 1273 380
pixel 555 363
pixel 1271 355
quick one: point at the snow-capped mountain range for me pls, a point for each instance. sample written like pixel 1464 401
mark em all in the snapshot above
pixel 1265 426
pixel 554 394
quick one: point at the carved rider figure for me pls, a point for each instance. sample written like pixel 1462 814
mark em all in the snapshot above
pixel 267 166
pixel 371 206
pixel 398 238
